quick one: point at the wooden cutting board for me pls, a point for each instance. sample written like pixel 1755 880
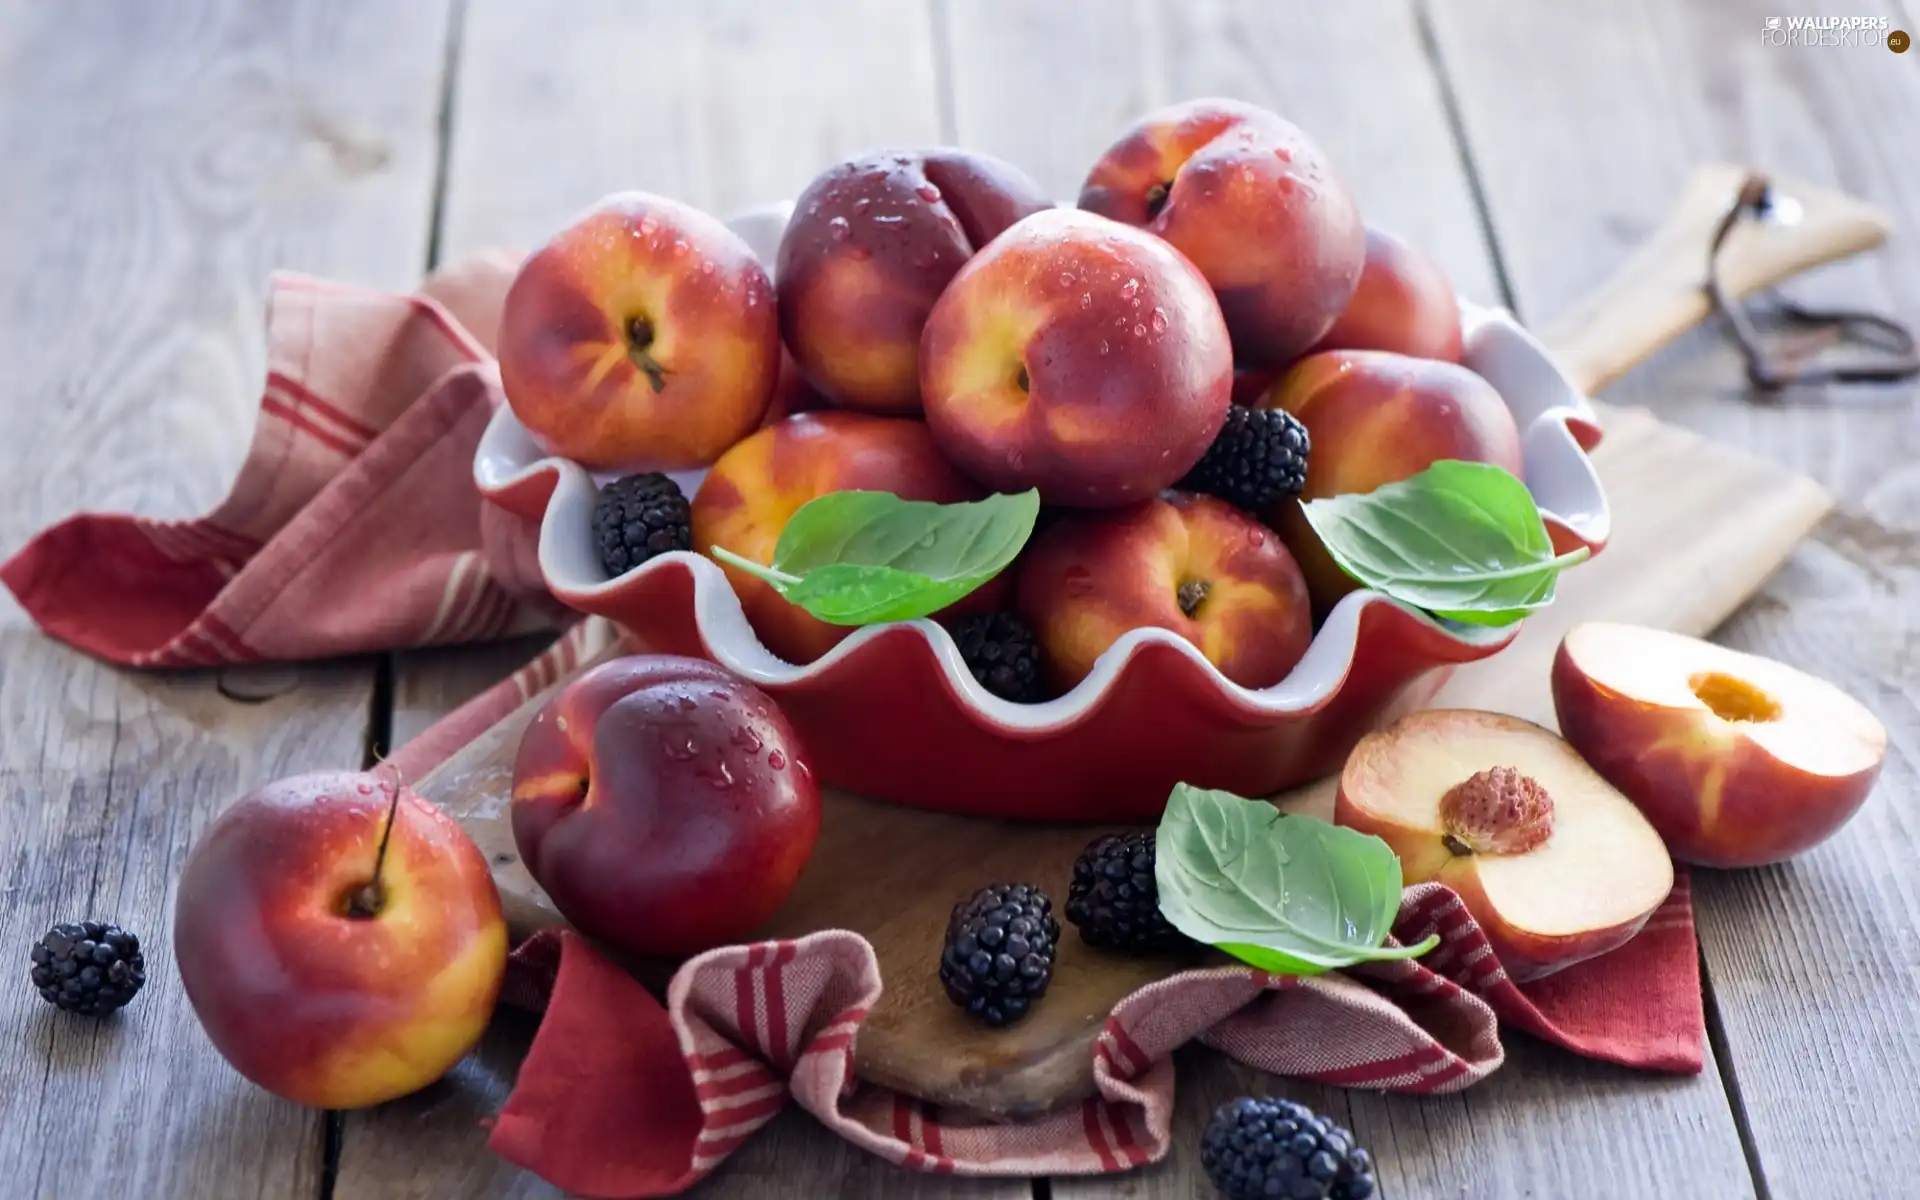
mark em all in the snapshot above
pixel 1697 528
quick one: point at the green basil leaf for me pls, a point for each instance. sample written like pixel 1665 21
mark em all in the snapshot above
pixel 1289 894
pixel 1462 540
pixel 863 558
pixel 850 594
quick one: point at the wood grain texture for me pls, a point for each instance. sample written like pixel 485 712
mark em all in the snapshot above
pixel 1811 977
pixel 722 105
pixel 161 159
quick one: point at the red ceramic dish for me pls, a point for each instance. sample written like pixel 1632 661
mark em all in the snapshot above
pixel 892 712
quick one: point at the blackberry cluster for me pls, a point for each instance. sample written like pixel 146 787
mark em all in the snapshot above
pixel 1259 456
pixel 1002 654
pixel 998 956
pixel 1255 1148
pixel 88 967
pixel 639 517
pixel 1114 900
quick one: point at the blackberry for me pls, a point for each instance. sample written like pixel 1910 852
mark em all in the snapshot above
pixel 1002 653
pixel 1271 1147
pixel 998 957
pixel 639 517
pixel 88 967
pixel 1114 901
pixel 1258 456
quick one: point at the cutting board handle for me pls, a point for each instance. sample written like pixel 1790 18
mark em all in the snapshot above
pixel 1659 293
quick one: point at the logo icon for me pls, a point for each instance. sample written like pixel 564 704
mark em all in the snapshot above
pixel 1898 41
pixel 1773 23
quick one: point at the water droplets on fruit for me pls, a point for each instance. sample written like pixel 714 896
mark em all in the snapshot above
pixel 1086 299
pixel 927 192
pixel 1256 538
pixel 1139 331
pixel 889 218
pixel 706 266
pixel 649 226
pixel 776 760
pixel 1246 174
pixel 680 749
pixel 1130 289
pixel 746 737
pixel 684 703
pixel 365 790
pixel 1066 279
pixel 1104 348
pixel 680 247
pixel 860 205
pixel 838 229
pixel 1283 154
pixel 1159 321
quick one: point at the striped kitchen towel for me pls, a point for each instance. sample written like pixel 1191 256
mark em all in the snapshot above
pixel 353 526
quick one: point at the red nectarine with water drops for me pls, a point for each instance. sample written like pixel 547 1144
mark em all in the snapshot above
pixel 1078 356
pixel 872 244
pixel 642 337
pixel 664 805
pixel 1255 203
pixel 1191 564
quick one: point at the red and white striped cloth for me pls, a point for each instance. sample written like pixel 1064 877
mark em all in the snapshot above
pixel 354 527
pixel 622 1096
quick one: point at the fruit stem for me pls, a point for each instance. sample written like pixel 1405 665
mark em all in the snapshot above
pixel 1157 198
pixel 1192 594
pixel 639 340
pixel 369 897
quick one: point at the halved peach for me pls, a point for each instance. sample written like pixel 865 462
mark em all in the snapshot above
pixel 1554 864
pixel 1737 760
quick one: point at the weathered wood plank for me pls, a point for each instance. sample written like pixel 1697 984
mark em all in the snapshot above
pixel 161 159
pixel 724 106
pixel 1583 120
pixel 1357 78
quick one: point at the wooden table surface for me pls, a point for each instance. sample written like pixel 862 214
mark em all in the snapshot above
pixel 158 159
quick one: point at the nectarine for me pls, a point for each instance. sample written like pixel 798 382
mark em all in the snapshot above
pixel 872 244
pixel 321 977
pixel 1404 304
pixel 1554 865
pixel 1192 564
pixel 1257 206
pixel 642 337
pixel 1078 356
pixel 664 805
pixel 1375 417
pixel 756 487
pixel 1736 759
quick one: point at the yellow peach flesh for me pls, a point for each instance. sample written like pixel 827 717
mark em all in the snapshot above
pixel 1722 695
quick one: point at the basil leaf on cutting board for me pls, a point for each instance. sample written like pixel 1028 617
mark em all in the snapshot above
pixel 1289 894
pixel 1462 540
pixel 862 558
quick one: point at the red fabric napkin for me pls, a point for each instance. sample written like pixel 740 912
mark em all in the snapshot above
pixel 354 526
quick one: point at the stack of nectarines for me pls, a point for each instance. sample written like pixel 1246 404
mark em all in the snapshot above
pixel 967 336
